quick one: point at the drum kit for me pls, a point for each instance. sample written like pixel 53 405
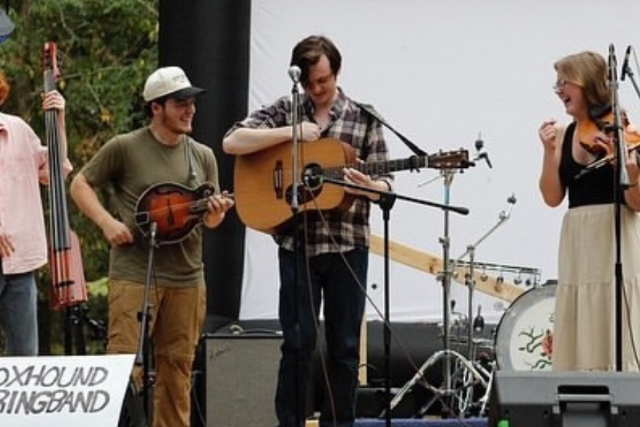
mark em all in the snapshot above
pixel 522 339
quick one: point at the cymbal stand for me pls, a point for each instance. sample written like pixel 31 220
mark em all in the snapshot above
pixel 470 276
pixel 465 398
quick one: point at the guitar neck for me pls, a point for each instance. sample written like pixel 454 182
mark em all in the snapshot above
pixel 379 168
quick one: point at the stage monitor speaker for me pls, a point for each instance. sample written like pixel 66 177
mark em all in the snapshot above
pixel 240 372
pixel 564 399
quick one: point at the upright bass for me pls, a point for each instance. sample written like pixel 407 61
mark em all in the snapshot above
pixel 67 273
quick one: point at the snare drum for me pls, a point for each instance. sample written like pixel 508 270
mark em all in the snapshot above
pixel 524 336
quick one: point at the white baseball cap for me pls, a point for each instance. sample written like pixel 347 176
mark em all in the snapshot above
pixel 169 81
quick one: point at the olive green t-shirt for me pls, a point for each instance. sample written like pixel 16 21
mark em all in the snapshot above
pixel 129 164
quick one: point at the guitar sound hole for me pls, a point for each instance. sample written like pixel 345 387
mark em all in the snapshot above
pixel 312 177
pixel 305 194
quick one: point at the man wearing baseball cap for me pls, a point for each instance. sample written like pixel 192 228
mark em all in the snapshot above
pixel 169 81
pixel 131 164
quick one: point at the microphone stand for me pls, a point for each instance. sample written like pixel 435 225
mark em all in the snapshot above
pixel 447 354
pixel 142 356
pixel 621 182
pixel 626 71
pixel 386 202
pixel 294 74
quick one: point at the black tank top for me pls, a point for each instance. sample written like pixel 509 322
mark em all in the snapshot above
pixel 593 188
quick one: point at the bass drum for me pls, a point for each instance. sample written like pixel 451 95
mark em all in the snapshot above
pixel 524 337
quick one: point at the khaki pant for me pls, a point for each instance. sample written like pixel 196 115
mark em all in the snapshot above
pixel 176 316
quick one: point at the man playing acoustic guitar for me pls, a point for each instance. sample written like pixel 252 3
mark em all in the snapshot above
pixel 131 164
pixel 332 248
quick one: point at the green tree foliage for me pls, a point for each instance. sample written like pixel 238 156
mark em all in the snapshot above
pixel 106 50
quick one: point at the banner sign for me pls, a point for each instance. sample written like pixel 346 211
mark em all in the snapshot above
pixel 63 390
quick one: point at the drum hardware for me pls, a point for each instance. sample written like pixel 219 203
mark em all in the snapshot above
pixel 467 374
pixel 529 276
pixel 466 383
pixel 484 276
pixel 478 321
pixel 431 264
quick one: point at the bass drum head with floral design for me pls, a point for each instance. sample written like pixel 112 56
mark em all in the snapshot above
pixel 524 338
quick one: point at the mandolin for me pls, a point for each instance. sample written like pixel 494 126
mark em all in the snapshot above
pixel 175 209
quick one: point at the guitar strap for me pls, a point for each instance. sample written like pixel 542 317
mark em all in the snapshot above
pixel 372 112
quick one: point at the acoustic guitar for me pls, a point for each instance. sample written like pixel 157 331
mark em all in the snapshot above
pixel 264 179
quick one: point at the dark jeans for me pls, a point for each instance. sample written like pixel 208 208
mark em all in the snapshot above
pixel 19 313
pixel 329 278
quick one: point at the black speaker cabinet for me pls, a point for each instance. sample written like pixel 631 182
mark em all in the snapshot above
pixel 564 399
pixel 240 372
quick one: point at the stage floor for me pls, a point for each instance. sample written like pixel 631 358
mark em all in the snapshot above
pixel 415 422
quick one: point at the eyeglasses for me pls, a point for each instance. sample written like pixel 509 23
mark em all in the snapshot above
pixel 560 84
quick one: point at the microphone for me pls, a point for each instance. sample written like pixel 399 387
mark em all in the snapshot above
pixel 625 63
pixel 294 73
pixel 479 144
pixel 611 62
pixel 482 155
pixel 512 199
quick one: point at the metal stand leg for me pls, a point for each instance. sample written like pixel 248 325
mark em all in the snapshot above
pixel 471 377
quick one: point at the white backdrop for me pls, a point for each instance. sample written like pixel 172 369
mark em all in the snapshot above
pixel 442 72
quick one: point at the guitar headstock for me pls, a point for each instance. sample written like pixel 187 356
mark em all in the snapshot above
pixel 456 159
pixel 50 65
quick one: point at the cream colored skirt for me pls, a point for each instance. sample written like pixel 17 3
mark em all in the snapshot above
pixel 584 328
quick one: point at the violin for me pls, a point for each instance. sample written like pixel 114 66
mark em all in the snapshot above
pixel 593 134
